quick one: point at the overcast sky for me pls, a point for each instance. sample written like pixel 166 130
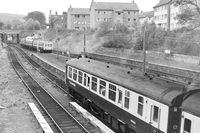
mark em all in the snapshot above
pixel 25 6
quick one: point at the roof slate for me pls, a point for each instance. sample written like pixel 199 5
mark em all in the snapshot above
pixel 79 11
pixel 162 2
pixel 145 14
pixel 115 6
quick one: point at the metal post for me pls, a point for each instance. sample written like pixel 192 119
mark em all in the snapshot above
pixel 144 50
pixel 84 44
pixel 57 41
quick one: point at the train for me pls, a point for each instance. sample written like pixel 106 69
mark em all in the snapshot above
pixel 129 101
pixel 37 44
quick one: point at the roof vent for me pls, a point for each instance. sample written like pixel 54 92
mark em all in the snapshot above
pixel 128 72
pixel 131 68
pixel 108 62
pixel 107 66
pixel 88 60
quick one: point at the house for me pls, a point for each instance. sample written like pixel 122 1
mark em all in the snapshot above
pixel 125 13
pixel 165 13
pixel 78 18
pixel 146 17
pixel 62 19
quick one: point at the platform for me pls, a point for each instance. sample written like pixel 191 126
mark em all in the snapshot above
pixel 91 118
pixel 45 126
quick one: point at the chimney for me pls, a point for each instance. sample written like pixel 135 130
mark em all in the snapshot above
pixel 133 1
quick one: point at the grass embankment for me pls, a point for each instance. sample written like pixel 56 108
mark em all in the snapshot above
pixel 74 40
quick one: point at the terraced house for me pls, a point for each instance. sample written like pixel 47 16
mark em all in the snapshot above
pixel 78 18
pixel 125 13
pixel 165 13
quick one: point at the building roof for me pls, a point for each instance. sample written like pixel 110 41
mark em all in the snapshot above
pixel 162 2
pixel 79 11
pixel 145 14
pixel 114 6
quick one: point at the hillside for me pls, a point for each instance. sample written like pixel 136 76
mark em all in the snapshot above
pixel 74 40
pixel 7 17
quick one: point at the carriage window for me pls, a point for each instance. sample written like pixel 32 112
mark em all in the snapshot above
pixel 75 74
pixel 102 88
pixel 120 96
pixel 155 113
pixel 127 96
pixel 70 72
pixel 80 77
pixel 112 92
pixel 140 105
pixel 85 79
pixel 187 126
pixel 94 83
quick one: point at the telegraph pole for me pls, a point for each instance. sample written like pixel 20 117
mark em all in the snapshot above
pixel 84 45
pixel 144 50
pixel 57 41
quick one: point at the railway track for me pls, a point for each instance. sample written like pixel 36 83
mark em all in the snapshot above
pixel 64 121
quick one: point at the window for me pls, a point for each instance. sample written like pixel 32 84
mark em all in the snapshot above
pixel 129 19
pixel 187 126
pixel 99 12
pixel 119 13
pixel 127 96
pixel 74 74
pixel 155 113
pixel 83 16
pixel 129 12
pixel 94 83
pixel 140 105
pixel 70 72
pixel 102 88
pixel 85 79
pixel 80 77
pixel 112 92
pixel 104 19
pixel 77 16
pixel 98 19
pixel 120 96
pixel 105 12
pixel 134 19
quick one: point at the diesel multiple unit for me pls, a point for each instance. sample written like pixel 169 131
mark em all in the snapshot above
pixel 37 44
pixel 130 102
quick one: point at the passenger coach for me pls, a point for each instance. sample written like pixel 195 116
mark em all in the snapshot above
pixel 126 100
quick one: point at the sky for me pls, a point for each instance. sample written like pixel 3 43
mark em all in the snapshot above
pixel 25 6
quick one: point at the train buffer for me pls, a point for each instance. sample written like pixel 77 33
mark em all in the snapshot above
pixel 45 126
pixel 91 118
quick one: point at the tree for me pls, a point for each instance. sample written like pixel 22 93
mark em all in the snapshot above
pixel 30 24
pixel 36 15
pixel 7 26
pixel 190 14
pixel 54 20
pixel 15 24
pixel 1 25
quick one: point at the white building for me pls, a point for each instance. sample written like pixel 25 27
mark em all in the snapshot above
pixel 146 17
pixel 164 14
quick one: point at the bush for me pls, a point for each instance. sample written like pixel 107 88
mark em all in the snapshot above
pixel 117 41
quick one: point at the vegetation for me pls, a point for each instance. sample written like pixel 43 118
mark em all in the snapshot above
pixel 115 34
pixel 190 15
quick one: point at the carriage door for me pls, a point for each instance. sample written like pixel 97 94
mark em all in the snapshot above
pixel 186 123
pixel 155 117
pixel 120 95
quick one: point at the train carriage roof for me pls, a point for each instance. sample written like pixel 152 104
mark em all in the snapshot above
pixel 135 81
pixel 192 104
